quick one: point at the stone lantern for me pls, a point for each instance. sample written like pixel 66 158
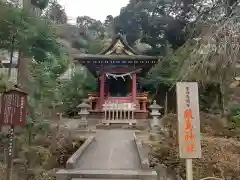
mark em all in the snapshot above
pixel 155 122
pixel 83 114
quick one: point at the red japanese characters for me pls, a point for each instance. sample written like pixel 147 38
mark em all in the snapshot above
pixel 188 120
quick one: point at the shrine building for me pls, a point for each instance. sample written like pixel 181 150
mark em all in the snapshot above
pixel 118 69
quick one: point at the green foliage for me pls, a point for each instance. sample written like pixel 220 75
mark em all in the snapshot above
pixel 91 34
pixel 150 22
pixel 49 148
pixel 80 43
pixel 13 23
pixel 74 90
pixel 56 13
pixel 34 36
pixel 43 43
pixel 95 46
pixel 45 175
pixel 4 84
pixel 44 82
pixel 162 73
pixel 235 115
pixel 41 4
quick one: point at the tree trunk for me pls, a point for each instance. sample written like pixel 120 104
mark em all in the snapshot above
pixel 221 100
pixel 23 71
pixel 11 57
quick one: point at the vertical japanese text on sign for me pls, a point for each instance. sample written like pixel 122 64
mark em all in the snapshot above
pixel 13 108
pixel 189 137
pixel 188 118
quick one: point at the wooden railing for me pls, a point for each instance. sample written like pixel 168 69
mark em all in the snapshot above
pixel 142 99
pixel 118 112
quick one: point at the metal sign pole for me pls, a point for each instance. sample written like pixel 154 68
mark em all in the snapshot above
pixel 189 169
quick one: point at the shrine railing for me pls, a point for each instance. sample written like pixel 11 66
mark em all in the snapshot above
pixel 127 99
pixel 118 112
pixel 141 100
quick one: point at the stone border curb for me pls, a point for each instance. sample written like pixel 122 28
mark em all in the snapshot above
pixel 78 174
pixel 71 162
pixel 142 153
pixel 88 133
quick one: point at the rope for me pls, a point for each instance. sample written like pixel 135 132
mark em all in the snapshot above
pixel 115 76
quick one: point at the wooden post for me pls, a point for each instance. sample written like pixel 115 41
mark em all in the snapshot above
pixel 10 154
pixel 134 87
pixel 105 111
pixel 102 79
pixel 189 169
pixel 145 105
pixel 133 108
pixel 166 104
pixel 117 111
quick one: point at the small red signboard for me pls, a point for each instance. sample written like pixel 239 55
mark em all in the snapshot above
pixel 13 108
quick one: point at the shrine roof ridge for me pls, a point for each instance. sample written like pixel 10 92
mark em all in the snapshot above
pixel 123 41
pixel 117 50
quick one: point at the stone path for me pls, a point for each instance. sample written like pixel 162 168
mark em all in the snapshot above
pixel 112 150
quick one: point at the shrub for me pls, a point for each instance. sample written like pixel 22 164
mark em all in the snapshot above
pixel 234 115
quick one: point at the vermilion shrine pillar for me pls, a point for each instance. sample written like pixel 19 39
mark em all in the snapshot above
pixel 134 87
pixel 102 89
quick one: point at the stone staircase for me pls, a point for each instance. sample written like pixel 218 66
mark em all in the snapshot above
pixel 120 126
pixel 77 174
pixel 99 179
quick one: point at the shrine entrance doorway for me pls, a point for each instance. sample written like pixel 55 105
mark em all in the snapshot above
pixel 119 87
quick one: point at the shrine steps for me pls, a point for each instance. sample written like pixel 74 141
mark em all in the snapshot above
pixel 120 126
pixel 141 124
pixel 99 179
pixel 100 115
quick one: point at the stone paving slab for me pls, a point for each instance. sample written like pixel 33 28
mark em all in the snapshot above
pixel 113 149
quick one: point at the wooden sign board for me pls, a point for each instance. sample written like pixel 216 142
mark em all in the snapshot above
pixel 188 120
pixel 13 108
